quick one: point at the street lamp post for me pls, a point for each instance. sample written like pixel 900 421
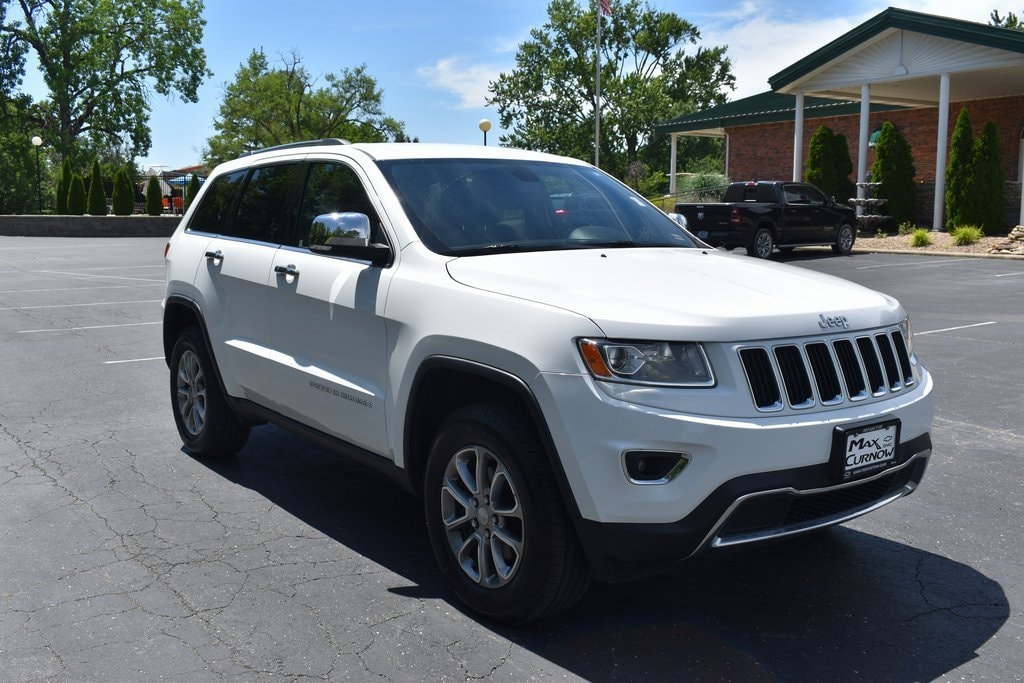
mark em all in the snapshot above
pixel 37 143
pixel 485 126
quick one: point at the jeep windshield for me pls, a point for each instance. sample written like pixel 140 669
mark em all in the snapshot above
pixel 462 207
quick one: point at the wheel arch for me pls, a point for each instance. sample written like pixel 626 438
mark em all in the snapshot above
pixel 181 312
pixel 443 385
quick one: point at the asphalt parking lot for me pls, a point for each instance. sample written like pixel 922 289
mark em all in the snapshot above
pixel 123 559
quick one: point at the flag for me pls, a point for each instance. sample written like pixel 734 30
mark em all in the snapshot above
pixel 606 7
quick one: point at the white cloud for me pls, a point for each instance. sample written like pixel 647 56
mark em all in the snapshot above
pixel 763 38
pixel 467 81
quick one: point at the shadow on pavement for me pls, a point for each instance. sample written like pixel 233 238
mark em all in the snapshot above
pixel 838 605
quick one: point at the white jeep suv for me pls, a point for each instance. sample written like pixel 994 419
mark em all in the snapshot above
pixel 575 385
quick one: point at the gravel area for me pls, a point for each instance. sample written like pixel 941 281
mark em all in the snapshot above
pixel 942 242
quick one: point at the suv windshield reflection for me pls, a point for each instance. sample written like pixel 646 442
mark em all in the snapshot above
pixel 475 206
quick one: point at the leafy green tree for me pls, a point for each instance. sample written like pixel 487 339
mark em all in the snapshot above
pixel 76 196
pixel 987 181
pixel 1009 21
pixel 821 162
pixel 123 198
pixel 958 172
pixel 97 205
pixel 154 200
pixel 101 61
pixel 845 188
pixel 191 190
pixel 648 75
pixel 894 169
pixel 273 105
pixel 64 186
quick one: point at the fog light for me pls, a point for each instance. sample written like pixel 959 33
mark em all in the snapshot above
pixel 653 467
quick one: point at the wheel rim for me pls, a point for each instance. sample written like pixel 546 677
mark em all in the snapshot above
pixel 191 393
pixel 845 238
pixel 482 517
pixel 763 244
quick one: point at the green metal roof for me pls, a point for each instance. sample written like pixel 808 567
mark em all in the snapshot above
pixel 766 107
pixel 893 18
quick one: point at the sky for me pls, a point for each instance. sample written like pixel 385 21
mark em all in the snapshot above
pixel 434 60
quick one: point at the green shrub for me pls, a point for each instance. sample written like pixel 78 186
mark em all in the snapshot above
pixel 987 181
pixel 958 172
pixel 966 234
pixel 701 187
pixel 920 238
pixel 97 197
pixel 76 196
pixel 193 189
pixel 154 200
pixel 881 234
pixel 63 187
pixel 894 169
pixel 906 228
pixel 123 198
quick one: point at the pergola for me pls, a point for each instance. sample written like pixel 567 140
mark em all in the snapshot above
pixel 898 58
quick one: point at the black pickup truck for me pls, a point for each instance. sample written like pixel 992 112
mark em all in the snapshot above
pixel 760 215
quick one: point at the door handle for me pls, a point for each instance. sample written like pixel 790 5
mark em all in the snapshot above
pixel 215 255
pixel 289 270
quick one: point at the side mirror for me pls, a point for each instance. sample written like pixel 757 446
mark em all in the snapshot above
pixel 347 234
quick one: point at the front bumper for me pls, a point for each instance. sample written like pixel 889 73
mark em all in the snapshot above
pixel 750 509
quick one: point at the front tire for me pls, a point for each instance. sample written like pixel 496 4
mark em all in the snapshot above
pixel 207 425
pixel 496 520
pixel 844 240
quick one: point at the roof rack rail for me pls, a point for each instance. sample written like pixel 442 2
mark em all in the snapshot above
pixel 303 143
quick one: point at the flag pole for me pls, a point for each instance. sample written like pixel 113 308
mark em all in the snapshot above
pixel 597 89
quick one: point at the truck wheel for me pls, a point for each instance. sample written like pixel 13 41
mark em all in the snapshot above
pixel 205 422
pixel 844 239
pixel 496 520
pixel 762 244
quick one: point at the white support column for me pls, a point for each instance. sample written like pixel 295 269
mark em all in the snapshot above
pixel 798 140
pixel 726 155
pixel 940 154
pixel 862 145
pixel 672 164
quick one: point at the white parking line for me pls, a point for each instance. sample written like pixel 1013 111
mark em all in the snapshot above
pixel 1010 274
pixel 102 268
pixel 89 327
pixel 102 277
pixel 916 263
pixel 95 303
pixel 75 289
pixel 951 329
pixel 133 360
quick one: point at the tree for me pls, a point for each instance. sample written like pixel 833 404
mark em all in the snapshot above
pixel 101 60
pixel 821 162
pixel 1009 21
pixel 64 186
pixel 191 190
pixel 76 196
pixel 894 169
pixel 97 197
pixel 123 198
pixel 267 106
pixel 647 76
pixel 987 181
pixel 958 172
pixel 845 188
pixel 154 200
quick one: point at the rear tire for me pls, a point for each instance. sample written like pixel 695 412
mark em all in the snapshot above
pixel 207 425
pixel 496 519
pixel 844 240
pixel 763 244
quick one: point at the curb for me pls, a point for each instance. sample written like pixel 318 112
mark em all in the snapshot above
pixel 953 254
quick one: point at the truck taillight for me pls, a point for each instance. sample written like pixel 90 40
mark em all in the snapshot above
pixel 734 217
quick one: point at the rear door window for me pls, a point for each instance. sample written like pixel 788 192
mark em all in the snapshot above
pixel 267 207
pixel 214 212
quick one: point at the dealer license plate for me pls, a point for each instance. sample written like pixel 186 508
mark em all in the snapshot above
pixel 865 450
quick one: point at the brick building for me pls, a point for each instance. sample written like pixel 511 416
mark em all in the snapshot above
pixel 914 70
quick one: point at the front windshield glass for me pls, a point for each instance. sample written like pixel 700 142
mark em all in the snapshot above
pixel 476 206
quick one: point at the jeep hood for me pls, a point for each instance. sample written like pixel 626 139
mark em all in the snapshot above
pixel 670 293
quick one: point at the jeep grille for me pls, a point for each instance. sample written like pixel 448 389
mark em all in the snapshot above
pixel 827 372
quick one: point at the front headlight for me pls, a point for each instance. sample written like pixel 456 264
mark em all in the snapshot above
pixel 678 364
pixel 908 335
